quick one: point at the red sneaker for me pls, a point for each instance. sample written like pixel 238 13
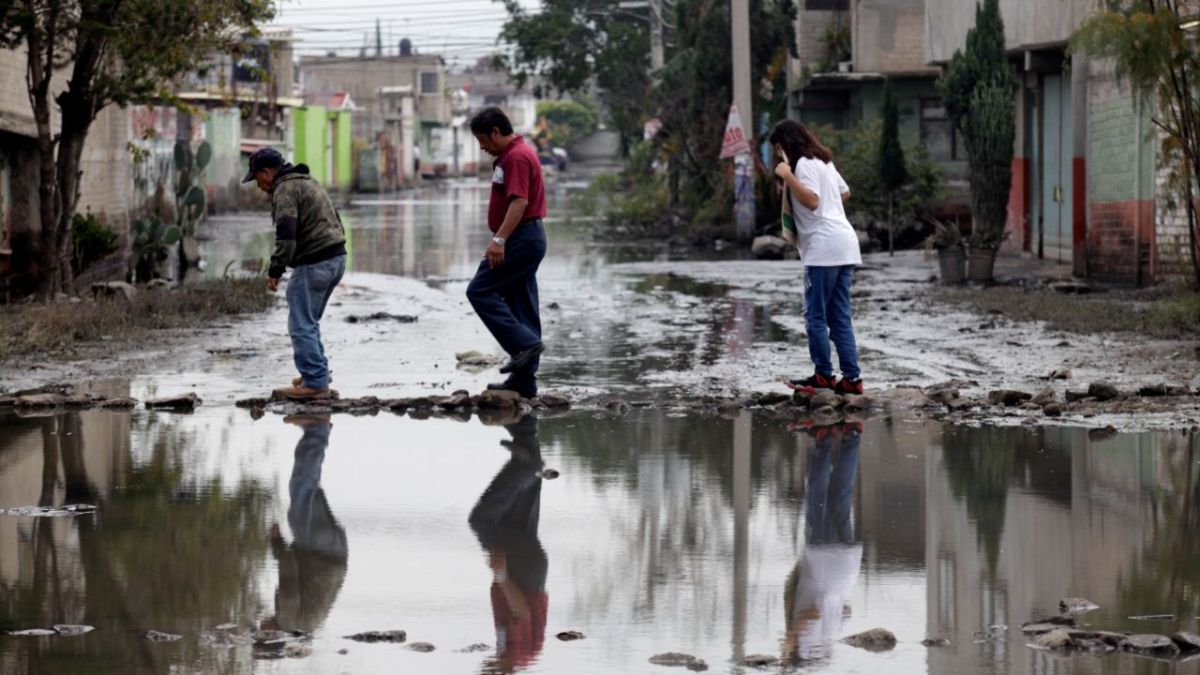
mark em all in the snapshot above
pixel 846 386
pixel 813 384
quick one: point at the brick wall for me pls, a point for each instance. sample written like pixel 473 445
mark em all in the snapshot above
pixel 810 28
pixel 1120 240
pixel 889 36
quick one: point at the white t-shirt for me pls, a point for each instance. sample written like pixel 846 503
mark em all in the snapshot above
pixel 825 237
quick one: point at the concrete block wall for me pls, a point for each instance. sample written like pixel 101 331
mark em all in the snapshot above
pixel 889 36
pixel 1172 254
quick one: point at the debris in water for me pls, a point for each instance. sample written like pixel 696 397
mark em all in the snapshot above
pixel 935 642
pixel 474 649
pixel 473 359
pixel 158 636
pixel 758 661
pixel 379 636
pixel 568 635
pixel 874 640
pixel 381 316
pixel 72 629
pixel 49 511
pixel 1153 617
pixel 184 403
pixel 677 659
pixel 33 632
pixel 1076 605
pixel 424 647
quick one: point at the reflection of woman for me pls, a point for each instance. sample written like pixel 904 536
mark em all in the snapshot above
pixel 312 568
pixel 816 590
pixel 506 522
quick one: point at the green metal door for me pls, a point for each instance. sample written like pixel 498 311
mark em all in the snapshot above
pixel 1053 236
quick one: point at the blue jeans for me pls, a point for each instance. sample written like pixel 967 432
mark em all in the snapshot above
pixel 506 298
pixel 827 316
pixel 308 292
pixel 829 493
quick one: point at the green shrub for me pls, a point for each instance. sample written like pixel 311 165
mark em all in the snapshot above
pixel 94 240
pixel 564 123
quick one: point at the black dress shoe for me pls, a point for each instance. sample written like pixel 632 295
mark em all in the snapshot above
pixel 522 359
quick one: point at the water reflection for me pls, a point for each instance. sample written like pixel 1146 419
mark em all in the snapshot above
pixel 505 520
pixel 818 589
pixel 313 566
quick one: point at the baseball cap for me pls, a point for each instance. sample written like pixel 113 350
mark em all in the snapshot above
pixel 263 158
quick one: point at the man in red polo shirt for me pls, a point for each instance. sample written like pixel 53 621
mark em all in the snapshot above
pixel 504 291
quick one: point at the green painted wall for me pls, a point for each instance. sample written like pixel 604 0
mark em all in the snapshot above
pixel 343 158
pixel 310 129
pixel 1114 129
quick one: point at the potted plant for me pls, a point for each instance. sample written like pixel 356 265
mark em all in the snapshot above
pixel 947 240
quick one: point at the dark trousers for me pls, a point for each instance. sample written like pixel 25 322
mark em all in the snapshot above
pixel 506 297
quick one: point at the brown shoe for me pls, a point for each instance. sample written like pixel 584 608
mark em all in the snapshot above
pixel 299 381
pixel 303 393
pixel 304 420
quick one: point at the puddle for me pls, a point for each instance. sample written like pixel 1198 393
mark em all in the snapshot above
pixel 716 538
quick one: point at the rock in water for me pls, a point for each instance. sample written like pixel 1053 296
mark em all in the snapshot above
pixel 185 403
pixel 1188 642
pixel 1076 605
pixel 475 648
pixel 568 635
pixel 72 629
pixel 499 399
pixel 677 659
pixel 935 642
pixel 379 636
pixel 1158 645
pixel 158 636
pixel 1059 638
pixel 874 640
pixel 424 647
pixel 759 661
pixel 1008 397
pixel 297 650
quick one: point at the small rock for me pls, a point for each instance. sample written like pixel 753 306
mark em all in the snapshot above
pixel 1008 397
pixel 252 402
pixel 297 650
pixel 184 403
pixel 1153 390
pixel 47 400
pixel 114 290
pixel 1052 410
pixel 343 651
pixel 568 635
pixel 1076 605
pixel 499 399
pixel 548 474
pixel 825 399
pixel 1150 644
pixel 158 636
pixel 677 659
pixel 124 402
pixel 379 636
pixel 961 404
pixel 874 640
pixel 1074 396
pixel 275 638
pixel 773 398
pixel 1187 642
pixel 758 661
pixel 1059 638
pixel 935 642
pixel 475 359
pixel 453 402
pixel 1103 391
pixel 423 647
pixel 555 401
pixel 1102 434
pixel 1061 374
pixel 942 395
pixel 72 629
pixel 1044 396
pixel 616 405
pixel 731 408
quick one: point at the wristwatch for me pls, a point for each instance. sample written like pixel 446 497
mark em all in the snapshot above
pixel 499 240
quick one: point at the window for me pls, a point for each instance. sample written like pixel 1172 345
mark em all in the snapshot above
pixel 429 83
pixel 938 134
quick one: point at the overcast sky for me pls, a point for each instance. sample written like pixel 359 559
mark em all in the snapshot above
pixel 460 30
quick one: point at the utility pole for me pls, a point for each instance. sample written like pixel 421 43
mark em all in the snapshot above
pixel 743 98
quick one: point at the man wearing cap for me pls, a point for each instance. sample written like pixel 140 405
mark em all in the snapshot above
pixel 504 292
pixel 308 238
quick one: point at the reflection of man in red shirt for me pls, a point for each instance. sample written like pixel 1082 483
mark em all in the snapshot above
pixel 506 521
pixel 504 291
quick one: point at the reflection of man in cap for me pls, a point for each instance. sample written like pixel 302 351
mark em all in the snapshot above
pixel 506 522
pixel 312 568
pixel 308 238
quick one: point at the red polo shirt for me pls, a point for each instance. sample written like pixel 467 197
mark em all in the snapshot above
pixel 517 173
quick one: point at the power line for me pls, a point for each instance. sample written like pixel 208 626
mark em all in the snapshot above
pixel 382 6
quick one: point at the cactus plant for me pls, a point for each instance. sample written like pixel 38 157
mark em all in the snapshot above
pixel 191 204
pixel 152 242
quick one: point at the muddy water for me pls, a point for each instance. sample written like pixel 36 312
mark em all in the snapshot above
pixel 715 537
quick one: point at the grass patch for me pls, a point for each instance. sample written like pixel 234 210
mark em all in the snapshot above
pixel 1173 314
pixel 33 331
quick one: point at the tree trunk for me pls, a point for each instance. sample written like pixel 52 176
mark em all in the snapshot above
pixel 70 154
pixel 891 229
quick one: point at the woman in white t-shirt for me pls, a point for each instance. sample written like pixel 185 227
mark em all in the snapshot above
pixel 828 247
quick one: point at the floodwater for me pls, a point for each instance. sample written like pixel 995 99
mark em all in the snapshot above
pixel 656 530
pixel 705 535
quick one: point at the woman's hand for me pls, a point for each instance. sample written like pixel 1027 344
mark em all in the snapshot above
pixel 783 169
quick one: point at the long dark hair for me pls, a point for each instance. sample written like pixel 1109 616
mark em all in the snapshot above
pixel 798 142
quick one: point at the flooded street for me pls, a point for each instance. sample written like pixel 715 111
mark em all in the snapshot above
pixel 651 530
pixel 715 537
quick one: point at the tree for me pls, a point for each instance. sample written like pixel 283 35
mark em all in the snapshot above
pixel 978 91
pixel 571 44
pixel 893 174
pixel 113 51
pixel 1158 56
pixel 564 123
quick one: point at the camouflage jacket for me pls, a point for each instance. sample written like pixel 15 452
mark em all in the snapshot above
pixel 307 227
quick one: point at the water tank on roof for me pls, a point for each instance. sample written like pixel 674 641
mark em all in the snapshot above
pixel 406 47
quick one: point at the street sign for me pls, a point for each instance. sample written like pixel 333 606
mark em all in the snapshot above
pixel 735 135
